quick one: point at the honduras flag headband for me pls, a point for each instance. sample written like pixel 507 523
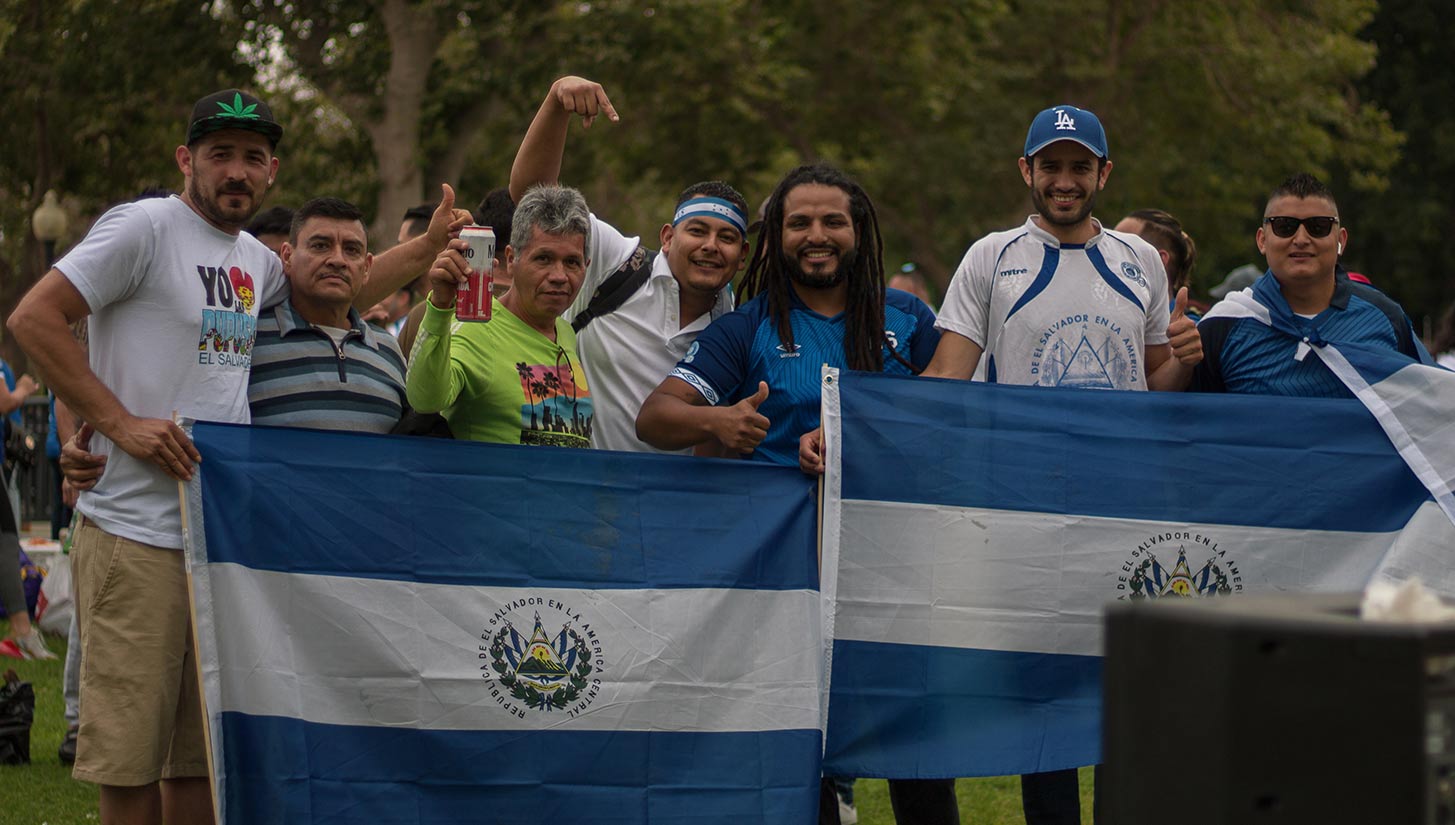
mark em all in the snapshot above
pixel 712 208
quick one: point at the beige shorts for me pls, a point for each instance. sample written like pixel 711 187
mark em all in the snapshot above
pixel 141 712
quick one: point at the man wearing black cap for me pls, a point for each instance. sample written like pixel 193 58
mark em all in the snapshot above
pixel 1061 301
pixel 171 290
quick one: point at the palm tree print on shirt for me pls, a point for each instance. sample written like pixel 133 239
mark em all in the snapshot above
pixel 557 409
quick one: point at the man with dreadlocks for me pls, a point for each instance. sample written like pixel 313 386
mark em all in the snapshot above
pixel 814 294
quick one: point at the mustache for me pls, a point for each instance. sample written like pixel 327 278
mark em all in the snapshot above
pixel 238 188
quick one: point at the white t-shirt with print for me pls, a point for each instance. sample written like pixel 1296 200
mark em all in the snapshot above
pixel 1054 314
pixel 629 351
pixel 174 307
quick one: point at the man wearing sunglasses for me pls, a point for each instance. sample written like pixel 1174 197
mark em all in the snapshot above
pixel 1248 340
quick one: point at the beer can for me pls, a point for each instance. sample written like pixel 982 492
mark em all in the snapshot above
pixel 472 300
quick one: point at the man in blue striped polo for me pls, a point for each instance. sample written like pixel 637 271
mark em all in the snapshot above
pixel 315 362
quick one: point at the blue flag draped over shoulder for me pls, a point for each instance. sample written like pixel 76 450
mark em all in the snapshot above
pixel 400 630
pixel 974 532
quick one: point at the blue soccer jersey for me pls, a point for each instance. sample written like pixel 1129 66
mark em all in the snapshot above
pixel 1244 355
pixel 738 350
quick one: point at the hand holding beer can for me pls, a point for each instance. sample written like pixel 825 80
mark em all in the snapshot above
pixel 472 300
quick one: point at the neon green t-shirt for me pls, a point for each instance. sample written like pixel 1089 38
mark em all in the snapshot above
pixel 500 380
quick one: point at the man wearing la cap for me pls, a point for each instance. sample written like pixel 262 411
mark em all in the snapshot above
pixel 1257 338
pixel 1061 301
pixel 171 289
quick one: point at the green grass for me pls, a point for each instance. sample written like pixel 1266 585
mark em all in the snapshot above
pixel 43 792
pixel 991 800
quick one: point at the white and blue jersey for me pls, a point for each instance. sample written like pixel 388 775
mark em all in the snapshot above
pixel 1060 315
pixel 738 350
pixel 1244 355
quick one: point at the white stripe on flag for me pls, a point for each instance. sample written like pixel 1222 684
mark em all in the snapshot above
pixel 388 653
pixel 944 576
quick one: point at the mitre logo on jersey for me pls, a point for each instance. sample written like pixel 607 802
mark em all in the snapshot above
pixel 1064 121
pixel 543 670
pixel 228 325
pixel 1200 568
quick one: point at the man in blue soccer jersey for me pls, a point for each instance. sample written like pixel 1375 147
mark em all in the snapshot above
pixel 1302 239
pixel 1061 301
pixel 814 294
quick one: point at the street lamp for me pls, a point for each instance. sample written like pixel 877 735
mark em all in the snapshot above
pixel 48 222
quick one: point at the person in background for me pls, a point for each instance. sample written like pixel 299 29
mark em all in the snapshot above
pixel 1179 253
pixel 1443 344
pixel 25 635
pixel 910 279
pixel 271 226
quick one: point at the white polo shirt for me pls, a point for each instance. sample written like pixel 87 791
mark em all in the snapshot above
pixel 1060 315
pixel 628 352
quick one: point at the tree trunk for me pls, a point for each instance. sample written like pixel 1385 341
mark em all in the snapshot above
pixel 414 37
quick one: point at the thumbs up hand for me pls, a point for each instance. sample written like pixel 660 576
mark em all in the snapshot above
pixel 1182 333
pixel 740 427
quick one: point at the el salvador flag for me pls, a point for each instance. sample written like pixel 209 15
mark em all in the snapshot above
pixel 974 532
pixel 400 630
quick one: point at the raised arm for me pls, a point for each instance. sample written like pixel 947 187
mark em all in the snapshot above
pixel 10 400
pixel 539 158
pixel 395 268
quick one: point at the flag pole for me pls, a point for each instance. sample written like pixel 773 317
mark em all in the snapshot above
pixel 196 638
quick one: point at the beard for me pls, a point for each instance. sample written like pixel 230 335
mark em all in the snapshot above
pixel 213 209
pixel 1043 207
pixel 822 280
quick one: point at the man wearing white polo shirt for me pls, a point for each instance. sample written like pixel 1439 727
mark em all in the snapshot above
pixel 638 311
pixel 1061 301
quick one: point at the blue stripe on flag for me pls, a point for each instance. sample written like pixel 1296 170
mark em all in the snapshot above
pixel 289 770
pixel 609 520
pixel 920 712
pixel 1125 454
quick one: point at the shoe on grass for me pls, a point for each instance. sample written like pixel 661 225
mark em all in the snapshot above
pixel 67 752
pixel 32 646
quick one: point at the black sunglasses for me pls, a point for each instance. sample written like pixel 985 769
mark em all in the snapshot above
pixel 1285 227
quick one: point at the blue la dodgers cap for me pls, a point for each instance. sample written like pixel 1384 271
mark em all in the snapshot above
pixel 1066 123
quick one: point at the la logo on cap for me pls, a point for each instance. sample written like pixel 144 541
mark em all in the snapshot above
pixel 1064 121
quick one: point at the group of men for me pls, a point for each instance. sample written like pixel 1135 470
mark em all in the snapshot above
pixel 598 341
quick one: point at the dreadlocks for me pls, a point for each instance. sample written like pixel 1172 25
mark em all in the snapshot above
pixel 864 304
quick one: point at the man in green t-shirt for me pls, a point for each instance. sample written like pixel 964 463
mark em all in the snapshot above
pixel 514 379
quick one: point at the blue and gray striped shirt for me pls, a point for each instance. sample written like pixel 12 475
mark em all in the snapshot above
pixel 301 378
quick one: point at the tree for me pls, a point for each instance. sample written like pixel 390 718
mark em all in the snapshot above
pixel 1400 236
pixel 96 101
pixel 421 81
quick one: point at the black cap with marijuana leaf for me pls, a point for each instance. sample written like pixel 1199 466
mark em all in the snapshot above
pixel 232 109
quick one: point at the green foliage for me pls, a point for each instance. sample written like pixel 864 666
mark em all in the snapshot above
pixel 1399 234
pixel 1207 106
pixel 43 791
pixel 97 96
